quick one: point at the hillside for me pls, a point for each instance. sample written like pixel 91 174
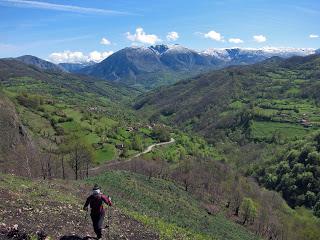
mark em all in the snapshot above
pixel 53 208
pixel 14 138
pixel 276 96
pixel 18 75
pixel 56 109
pixel 295 172
pixel 40 63
pixel 36 209
pixel 150 67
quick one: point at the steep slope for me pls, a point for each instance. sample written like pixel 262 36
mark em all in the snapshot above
pixel 153 66
pixel 167 208
pixel 40 63
pixel 233 96
pixel 134 66
pixel 11 130
pixel 14 141
pixel 53 208
pixel 32 209
pixel 127 62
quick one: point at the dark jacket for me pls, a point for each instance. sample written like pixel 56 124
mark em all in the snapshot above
pixel 96 203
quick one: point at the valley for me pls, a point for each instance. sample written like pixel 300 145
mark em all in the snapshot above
pixel 230 153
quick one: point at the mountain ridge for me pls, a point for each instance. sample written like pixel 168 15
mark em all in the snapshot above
pixel 132 64
pixel 40 63
pixel 149 67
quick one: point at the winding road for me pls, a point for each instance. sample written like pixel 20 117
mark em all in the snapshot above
pixel 148 149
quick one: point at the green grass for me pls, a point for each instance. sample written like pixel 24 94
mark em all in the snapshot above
pixel 91 138
pixel 167 208
pixel 35 122
pixel 266 130
pixel 36 191
pixel 107 153
pixel 70 126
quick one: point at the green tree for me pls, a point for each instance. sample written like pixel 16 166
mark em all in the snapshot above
pixel 162 134
pixel 248 210
pixel 137 143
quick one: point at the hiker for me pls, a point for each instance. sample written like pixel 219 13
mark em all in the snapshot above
pixel 96 200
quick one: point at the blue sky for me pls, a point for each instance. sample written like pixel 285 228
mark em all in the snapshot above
pixel 75 29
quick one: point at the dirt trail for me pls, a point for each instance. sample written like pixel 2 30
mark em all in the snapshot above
pixel 116 162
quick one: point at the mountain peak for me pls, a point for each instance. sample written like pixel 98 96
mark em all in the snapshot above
pixel 160 49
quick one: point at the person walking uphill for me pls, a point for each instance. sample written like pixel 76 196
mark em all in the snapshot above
pixel 96 200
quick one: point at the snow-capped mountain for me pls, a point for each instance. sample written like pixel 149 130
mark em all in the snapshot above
pixel 132 64
pixel 252 55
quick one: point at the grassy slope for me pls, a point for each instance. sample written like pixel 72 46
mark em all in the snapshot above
pixel 70 96
pixel 54 207
pixel 146 206
pixel 276 91
pixel 167 208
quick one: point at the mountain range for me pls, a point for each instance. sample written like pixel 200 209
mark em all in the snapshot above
pixel 162 64
pixel 150 67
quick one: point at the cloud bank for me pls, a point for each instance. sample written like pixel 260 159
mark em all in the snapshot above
pixel 78 57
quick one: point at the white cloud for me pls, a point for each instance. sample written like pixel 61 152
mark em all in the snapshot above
pixel 105 41
pixel 259 38
pixel 235 40
pixel 96 56
pixel 172 36
pixel 60 7
pixel 313 36
pixel 78 57
pixel 141 37
pixel 213 35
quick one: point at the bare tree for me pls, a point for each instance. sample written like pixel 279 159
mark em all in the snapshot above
pixel 80 158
